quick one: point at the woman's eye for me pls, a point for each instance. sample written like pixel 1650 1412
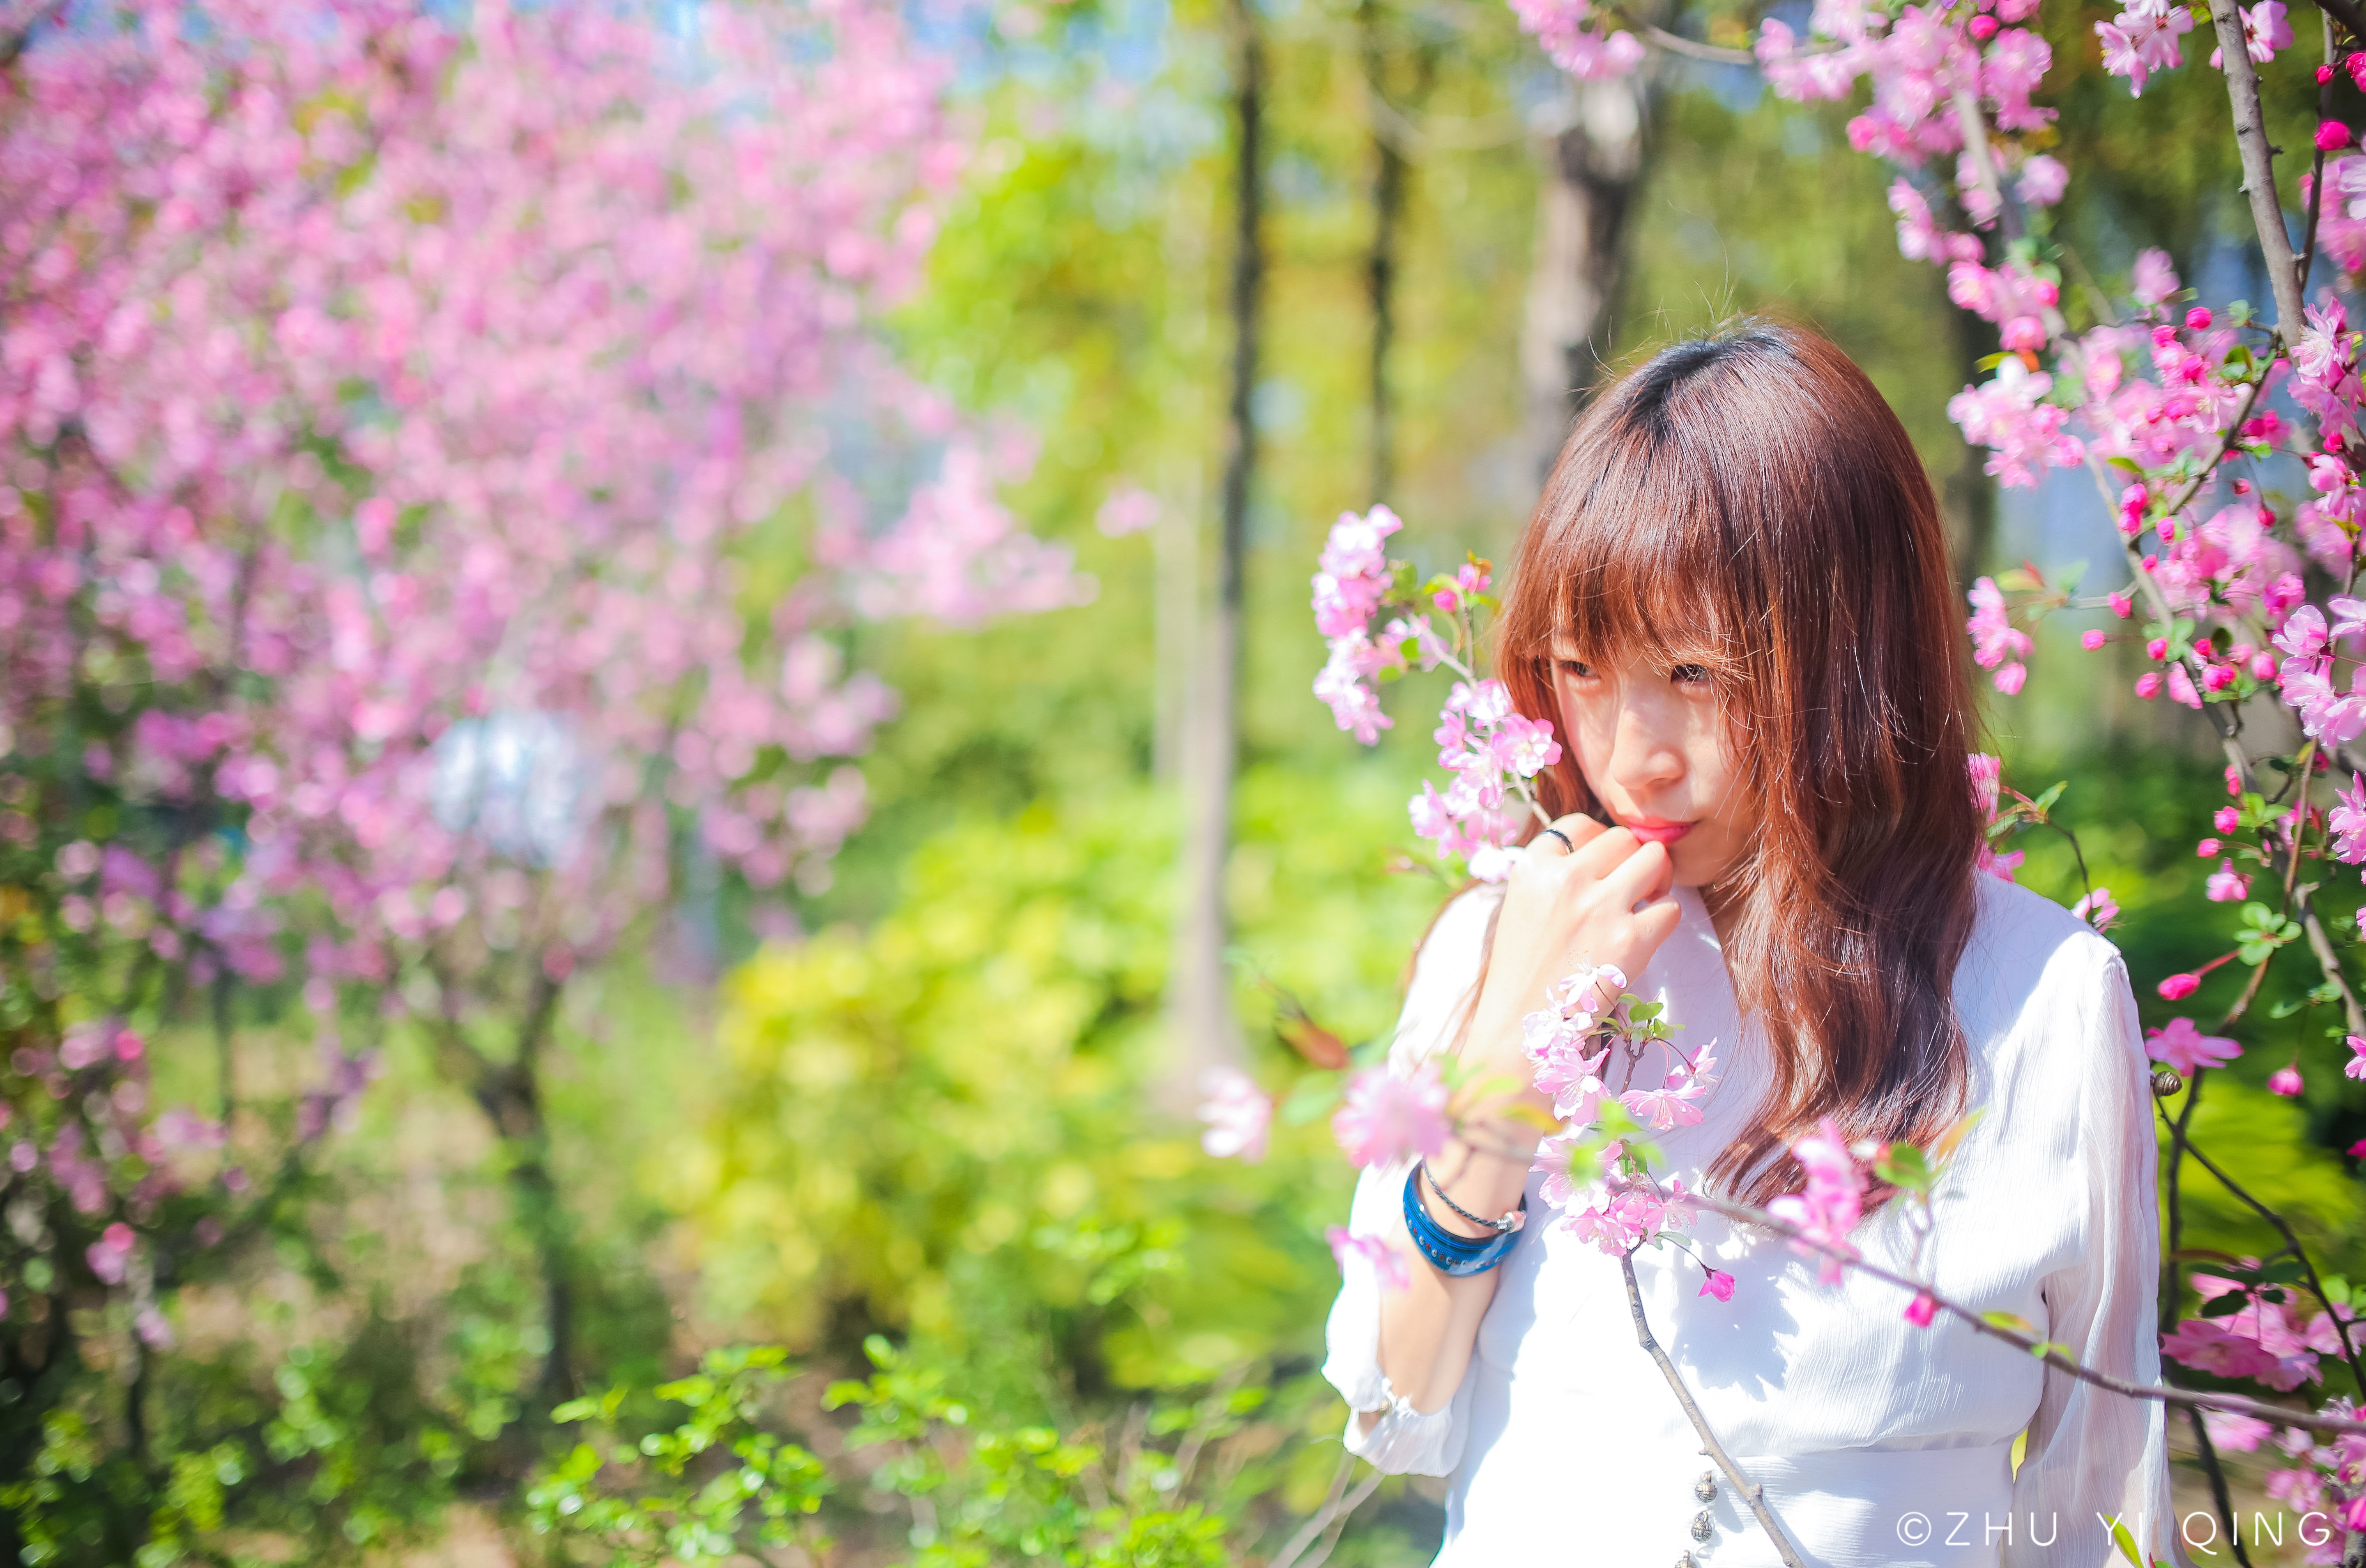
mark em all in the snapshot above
pixel 1576 667
pixel 1689 675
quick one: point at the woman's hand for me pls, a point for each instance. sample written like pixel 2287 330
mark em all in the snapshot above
pixel 1603 900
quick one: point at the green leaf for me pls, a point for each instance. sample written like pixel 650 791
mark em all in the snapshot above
pixel 1904 1166
pixel 2126 1543
pixel 2045 802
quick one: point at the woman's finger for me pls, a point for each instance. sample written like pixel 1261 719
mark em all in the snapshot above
pixel 1567 834
pixel 1605 852
pixel 1642 875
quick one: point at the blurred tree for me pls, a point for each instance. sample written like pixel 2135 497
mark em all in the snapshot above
pixel 442 465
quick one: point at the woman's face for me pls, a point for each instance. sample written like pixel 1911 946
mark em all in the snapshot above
pixel 1659 754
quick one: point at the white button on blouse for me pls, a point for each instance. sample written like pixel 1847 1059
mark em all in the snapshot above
pixel 1879 1443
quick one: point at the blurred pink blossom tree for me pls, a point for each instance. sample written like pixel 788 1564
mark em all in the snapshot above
pixel 436 464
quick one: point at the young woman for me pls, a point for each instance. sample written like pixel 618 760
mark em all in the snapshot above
pixel 1735 603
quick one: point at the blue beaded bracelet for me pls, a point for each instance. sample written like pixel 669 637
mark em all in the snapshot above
pixel 1458 1256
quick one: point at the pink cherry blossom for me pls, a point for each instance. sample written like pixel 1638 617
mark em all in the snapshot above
pixel 1237 1113
pixel 2265 32
pixel 2347 821
pixel 1388 1267
pixel 2356 1066
pixel 2227 885
pixel 1586 52
pixel 1674 1102
pixel 1129 509
pixel 2187 1049
pixel 1718 1284
pixel 1388 1118
pixel 2009 414
pixel 2042 180
pixel 1922 1309
pixel 2230 1432
pixel 1996 643
pixel 2142 40
pixel 1829 1206
pixel 1525 746
pixel 2097 908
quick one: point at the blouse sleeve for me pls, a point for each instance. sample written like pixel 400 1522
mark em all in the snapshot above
pixel 1401 1439
pixel 2090 1451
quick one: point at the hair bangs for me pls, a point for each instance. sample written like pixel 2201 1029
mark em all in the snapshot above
pixel 1637 565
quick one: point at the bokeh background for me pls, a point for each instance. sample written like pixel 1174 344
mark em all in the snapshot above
pixel 931 1111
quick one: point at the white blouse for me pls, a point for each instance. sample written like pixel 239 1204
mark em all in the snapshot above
pixel 1877 1442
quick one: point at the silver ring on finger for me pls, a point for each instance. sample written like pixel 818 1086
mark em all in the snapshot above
pixel 1567 845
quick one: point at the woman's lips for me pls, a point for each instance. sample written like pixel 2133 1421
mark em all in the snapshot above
pixel 1653 831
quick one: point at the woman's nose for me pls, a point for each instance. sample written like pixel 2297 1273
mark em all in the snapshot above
pixel 1645 750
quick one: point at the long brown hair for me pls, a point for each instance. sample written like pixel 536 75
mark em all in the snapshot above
pixel 1751 491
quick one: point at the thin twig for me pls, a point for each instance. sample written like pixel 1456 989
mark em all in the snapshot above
pixel 2283 1228
pixel 1320 1520
pixel 1356 1499
pixel 2046 1351
pixel 1749 1490
pixel 2218 1495
pixel 1975 128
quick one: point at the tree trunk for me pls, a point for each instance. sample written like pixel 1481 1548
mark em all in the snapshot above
pixel 1200 993
pixel 1592 155
pixel 510 1095
pixel 1389 172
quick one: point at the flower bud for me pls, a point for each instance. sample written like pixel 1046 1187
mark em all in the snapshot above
pixel 2331 136
pixel 2197 320
pixel 2148 684
pixel 2091 640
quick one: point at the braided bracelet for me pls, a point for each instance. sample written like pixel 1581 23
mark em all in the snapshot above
pixel 1457 1256
pixel 1511 1221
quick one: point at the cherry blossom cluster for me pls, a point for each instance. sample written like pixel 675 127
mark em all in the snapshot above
pixel 1827 1209
pixel 2324 1478
pixel 1597 1172
pixel 2254 1328
pixel 1491 751
pixel 393 414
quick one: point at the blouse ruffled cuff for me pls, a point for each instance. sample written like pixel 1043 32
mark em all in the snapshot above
pixel 1399 1439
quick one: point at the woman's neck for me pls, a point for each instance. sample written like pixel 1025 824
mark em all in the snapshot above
pixel 1724 905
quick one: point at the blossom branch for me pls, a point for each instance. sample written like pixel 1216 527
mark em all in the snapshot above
pixel 1751 1491
pixel 1691 48
pixel 2300 1253
pixel 2259 166
pixel 1976 147
pixel 2320 941
pixel 2047 1351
